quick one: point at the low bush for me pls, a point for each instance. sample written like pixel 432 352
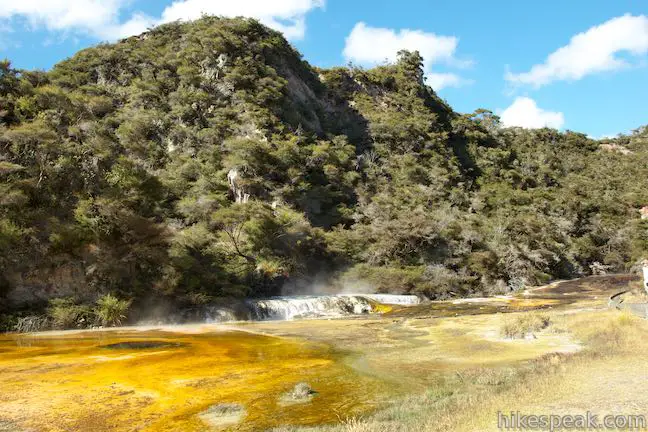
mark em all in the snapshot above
pixel 66 313
pixel 111 311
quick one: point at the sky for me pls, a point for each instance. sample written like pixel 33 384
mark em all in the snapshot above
pixel 573 65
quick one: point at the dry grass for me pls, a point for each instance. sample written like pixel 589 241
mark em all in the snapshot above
pixel 470 400
pixel 615 333
pixel 520 326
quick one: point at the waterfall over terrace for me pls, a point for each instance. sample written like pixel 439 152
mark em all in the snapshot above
pixel 312 306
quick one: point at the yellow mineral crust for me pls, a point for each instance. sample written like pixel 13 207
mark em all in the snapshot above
pixel 72 382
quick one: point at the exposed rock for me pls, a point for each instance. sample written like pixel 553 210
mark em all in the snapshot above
pixel 644 212
pixel 301 393
pixel 615 148
pixel 64 280
pixel 233 178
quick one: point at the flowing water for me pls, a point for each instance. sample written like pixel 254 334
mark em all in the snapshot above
pixel 314 306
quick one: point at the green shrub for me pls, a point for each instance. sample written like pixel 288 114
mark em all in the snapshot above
pixel 384 279
pixel 65 313
pixel 111 311
pixel 7 322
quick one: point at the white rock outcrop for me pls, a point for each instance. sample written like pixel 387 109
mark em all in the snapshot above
pixel 234 180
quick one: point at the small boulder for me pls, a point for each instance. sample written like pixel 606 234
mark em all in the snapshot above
pixel 301 393
pixel 224 414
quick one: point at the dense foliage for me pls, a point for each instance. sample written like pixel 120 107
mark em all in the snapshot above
pixel 121 168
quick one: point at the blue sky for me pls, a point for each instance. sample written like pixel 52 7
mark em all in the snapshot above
pixel 579 65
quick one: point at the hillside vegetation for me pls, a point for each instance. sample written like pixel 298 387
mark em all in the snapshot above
pixel 207 160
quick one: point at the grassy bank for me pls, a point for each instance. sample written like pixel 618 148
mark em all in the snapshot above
pixel 614 348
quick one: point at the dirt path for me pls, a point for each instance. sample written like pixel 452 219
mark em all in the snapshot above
pixel 600 387
pixel 607 386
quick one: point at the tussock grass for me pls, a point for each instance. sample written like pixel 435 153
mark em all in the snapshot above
pixel 111 311
pixel 520 326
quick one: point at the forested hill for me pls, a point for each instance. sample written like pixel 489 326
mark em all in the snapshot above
pixel 208 160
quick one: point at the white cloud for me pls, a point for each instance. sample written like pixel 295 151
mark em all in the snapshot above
pixel 604 136
pixel 137 24
pixel 598 49
pixel 524 112
pixel 286 16
pixel 101 18
pixel 372 45
pixel 447 79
